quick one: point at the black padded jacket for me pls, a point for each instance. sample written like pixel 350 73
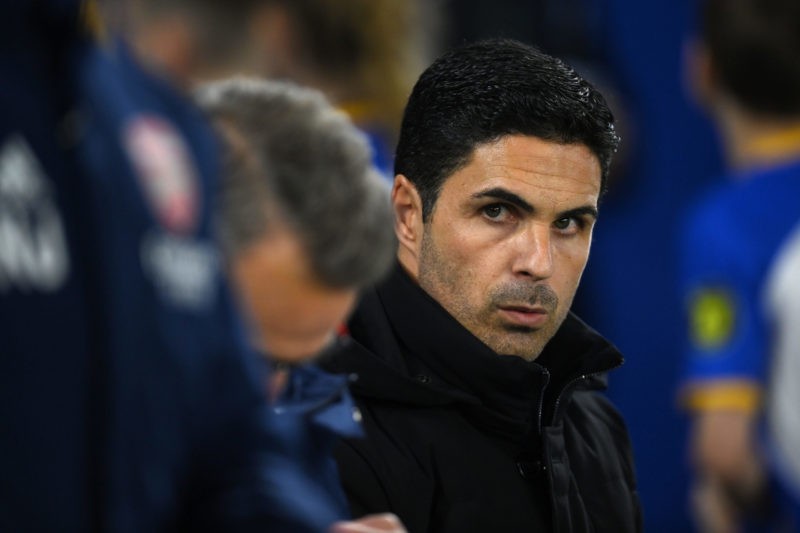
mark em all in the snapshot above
pixel 460 439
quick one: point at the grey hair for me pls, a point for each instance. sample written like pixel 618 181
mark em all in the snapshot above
pixel 293 159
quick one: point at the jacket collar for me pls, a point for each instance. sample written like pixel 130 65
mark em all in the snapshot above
pixel 421 345
pixel 438 345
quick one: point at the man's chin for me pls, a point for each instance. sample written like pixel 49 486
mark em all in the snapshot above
pixel 528 351
pixel 527 356
pixel 525 330
pixel 529 342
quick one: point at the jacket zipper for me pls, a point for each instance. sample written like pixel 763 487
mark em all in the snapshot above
pixel 541 399
pixel 571 385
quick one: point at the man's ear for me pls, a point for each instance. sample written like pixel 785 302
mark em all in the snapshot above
pixel 408 225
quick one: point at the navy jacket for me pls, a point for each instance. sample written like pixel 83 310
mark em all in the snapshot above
pixel 315 412
pixel 46 346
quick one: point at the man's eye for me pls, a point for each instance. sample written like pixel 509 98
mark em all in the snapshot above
pixel 494 210
pixel 563 223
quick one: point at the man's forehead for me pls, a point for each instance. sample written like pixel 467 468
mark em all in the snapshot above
pixel 528 165
pixel 529 146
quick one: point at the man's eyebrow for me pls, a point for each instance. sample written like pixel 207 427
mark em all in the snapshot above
pixel 584 210
pixel 503 194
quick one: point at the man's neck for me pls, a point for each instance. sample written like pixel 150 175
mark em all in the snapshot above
pixel 752 141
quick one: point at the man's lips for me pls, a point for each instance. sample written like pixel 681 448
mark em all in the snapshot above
pixel 522 315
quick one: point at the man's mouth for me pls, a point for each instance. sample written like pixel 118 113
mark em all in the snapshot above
pixel 524 315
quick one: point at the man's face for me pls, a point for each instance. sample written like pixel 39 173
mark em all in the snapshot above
pixel 508 239
pixel 293 314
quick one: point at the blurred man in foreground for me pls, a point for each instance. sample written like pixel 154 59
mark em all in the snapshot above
pixel 305 223
pixel 120 342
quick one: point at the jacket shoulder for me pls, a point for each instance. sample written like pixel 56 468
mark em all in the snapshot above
pixel 384 472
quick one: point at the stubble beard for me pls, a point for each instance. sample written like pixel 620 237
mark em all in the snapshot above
pixel 439 279
pixel 523 341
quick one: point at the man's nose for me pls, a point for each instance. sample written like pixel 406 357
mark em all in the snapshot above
pixel 534 252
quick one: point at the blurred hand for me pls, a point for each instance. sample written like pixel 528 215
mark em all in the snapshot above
pixel 713 511
pixel 379 523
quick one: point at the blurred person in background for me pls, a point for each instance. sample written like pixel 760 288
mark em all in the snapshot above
pixel 181 42
pixel 305 223
pixel 480 391
pixel 741 258
pixel 363 54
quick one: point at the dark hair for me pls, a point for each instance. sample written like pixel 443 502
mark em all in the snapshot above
pixel 483 91
pixel 293 159
pixel 755 50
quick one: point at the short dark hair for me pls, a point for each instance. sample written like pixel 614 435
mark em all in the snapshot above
pixel 293 160
pixel 485 90
pixel 755 52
